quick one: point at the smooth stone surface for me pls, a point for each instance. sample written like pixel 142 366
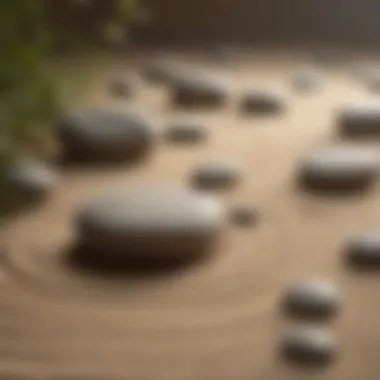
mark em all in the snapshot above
pixel 340 168
pixel 199 90
pixel 309 346
pixel 312 299
pixel 187 131
pixel 244 216
pixel 218 174
pixel 361 120
pixel 102 135
pixel 31 178
pixel 151 223
pixel 225 53
pixel 126 86
pixel 161 70
pixel 307 80
pixel 364 249
pixel 259 101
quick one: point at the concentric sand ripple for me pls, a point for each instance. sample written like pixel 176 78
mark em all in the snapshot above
pixel 229 277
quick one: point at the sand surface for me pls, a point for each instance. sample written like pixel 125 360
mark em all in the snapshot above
pixel 220 320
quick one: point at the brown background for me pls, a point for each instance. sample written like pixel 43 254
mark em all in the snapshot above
pixel 349 23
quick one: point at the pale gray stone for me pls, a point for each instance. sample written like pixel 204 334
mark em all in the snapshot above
pixel 340 167
pixel 199 90
pixel 309 346
pixel 312 299
pixel 103 134
pixel 31 178
pixel 151 223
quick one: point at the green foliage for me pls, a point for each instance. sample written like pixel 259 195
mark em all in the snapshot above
pixel 28 94
pixel 29 97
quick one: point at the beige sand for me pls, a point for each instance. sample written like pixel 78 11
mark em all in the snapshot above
pixel 219 321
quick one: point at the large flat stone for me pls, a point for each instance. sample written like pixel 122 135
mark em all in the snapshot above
pixel 155 223
pixel 105 135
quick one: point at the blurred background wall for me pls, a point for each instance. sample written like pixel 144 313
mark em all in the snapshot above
pixel 347 23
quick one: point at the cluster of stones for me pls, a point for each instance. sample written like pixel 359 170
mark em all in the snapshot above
pixel 315 300
pixel 165 223
pixel 342 167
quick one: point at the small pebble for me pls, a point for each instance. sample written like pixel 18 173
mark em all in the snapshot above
pixel 308 346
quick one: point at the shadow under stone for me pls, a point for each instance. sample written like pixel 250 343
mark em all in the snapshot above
pixel 305 360
pixel 359 134
pixel 89 261
pixel 365 264
pixel 334 188
pixel 307 315
pixel 72 159
pixel 189 101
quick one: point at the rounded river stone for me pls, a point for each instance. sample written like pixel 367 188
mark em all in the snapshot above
pixel 244 216
pixel 312 299
pixel 340 168
pixel 225 53
pixel 124 86
pixel 309 346
pixel 199 90
pixel 218 174
pixel 364 249
pixel 262 102
pixel 103 135
pixel 361 120
pixel 187 131
pixel 31 178
pixel 307 80
pixel 161 70
pixel 151 224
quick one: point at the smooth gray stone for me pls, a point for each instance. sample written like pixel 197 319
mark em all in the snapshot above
pixel 259 101
pixel 312 299
pixel 361 120
pixel 309 346
pixel 187 131
pixel 218 174
pixel 225 53
pixel 364 249
pixel 126 86
pixel 151 223
pixel 31 178
pixel 244 216
pixel 161 70
pixel 104 135
pixel 369 76
pixel 340 167
pixel 199 90
pixel 307 80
